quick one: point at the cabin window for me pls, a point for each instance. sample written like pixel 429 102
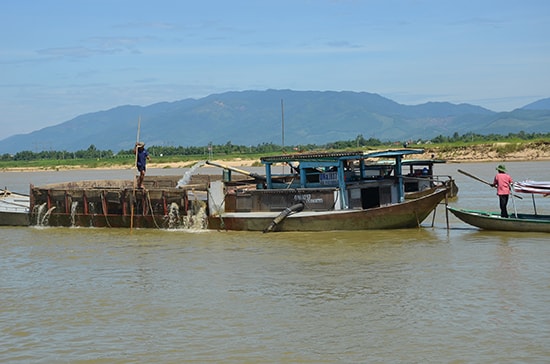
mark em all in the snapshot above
pixel 411 186
pixel 312 175
pixel 370 197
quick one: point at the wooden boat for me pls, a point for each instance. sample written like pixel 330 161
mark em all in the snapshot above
pixel 522 222
pixel 492 221
pixel 321 192
pixel 14 208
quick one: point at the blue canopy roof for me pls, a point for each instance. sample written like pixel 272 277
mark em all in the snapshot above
pixel 335 156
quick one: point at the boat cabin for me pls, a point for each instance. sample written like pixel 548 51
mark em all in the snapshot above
pixel 324 181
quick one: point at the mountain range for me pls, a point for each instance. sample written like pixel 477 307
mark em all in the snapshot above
pixel 257 117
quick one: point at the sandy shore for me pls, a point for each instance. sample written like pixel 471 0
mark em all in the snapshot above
pixel 496 152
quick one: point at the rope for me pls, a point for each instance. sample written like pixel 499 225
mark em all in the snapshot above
pixel 151 208
pixel 104 212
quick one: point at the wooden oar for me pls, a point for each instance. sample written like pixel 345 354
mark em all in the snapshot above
pixel 474 177
pixel 482 181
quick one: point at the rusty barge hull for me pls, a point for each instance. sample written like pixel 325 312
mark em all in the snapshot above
pixel 109 221
pixel 116 203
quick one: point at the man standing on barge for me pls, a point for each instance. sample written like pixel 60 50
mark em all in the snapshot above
pixel 141 161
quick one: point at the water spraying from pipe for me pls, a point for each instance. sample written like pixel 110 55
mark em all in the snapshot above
pixel 187 175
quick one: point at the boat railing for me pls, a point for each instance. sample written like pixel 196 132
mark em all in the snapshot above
pixel 435 179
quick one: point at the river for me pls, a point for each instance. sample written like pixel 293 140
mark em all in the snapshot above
pixel 428 295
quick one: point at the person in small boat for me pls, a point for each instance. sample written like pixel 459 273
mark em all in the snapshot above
pixel 502 182
pixel 141 161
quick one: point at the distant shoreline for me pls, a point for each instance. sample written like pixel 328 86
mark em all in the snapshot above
pixel 495 152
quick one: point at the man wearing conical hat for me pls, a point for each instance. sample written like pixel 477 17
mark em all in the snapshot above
pixel 502 182
pixel 141 161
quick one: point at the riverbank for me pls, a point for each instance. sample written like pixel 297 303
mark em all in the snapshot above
pixel 493 152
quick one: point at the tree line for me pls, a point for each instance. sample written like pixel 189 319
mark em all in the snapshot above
pixel 264 148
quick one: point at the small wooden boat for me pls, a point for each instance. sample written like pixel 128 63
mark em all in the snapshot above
pixel 323 191
pixel 492 221
pixel 14 209
pixel 516 221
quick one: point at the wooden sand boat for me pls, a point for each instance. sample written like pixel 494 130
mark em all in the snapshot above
pixel 321 192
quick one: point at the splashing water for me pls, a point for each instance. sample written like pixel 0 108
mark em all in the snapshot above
pixel 91 208
pixel 73 212
pixel 42 219
pixel 196 218
pixel 38 211
pixel 46 219
pixel 174 216
pixel 187 175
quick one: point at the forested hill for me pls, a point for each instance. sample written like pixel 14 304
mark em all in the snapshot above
pixel 256 117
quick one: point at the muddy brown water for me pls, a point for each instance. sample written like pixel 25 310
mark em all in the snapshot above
pixel 456 295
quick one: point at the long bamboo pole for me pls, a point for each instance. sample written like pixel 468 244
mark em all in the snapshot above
pixel 283 132
pixel 134 188
pixel 483 181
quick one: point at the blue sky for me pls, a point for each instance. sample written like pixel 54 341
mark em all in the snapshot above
pixel 63 58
